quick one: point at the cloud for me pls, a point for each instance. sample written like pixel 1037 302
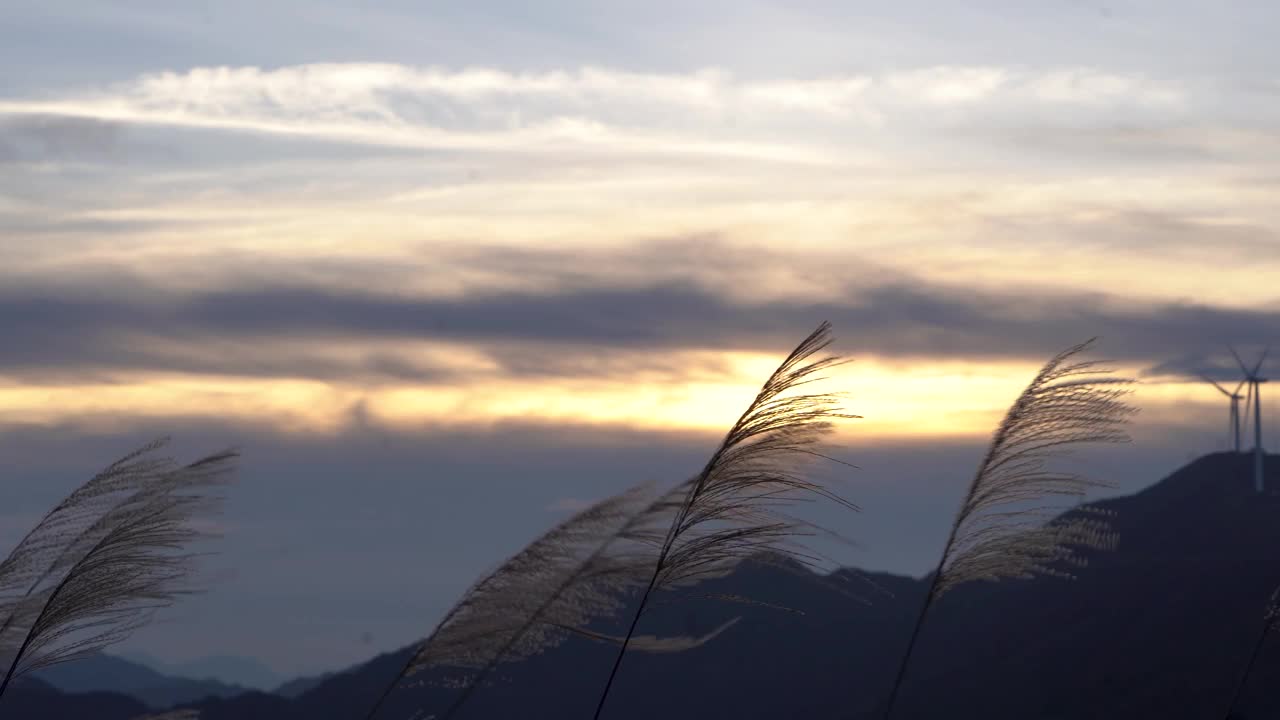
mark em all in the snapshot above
pixel 1090 86
pixel 837 96
pixel 30 224
pixel 589 108
pixel 42 138
pixel 1193 236
pixel 948 85
pixel 399 106
pixel 568 324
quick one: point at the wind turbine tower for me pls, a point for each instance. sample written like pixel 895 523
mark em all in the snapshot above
pixel 1233 422
pixel 1255 397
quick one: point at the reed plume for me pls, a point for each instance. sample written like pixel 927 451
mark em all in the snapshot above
pixel 1001 529
pixel 101 562
pixel 576 572
pixel 1270 618
pixel 587 567
pixel 732 509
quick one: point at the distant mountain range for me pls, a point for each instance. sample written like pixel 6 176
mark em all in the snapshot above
pixel 99 673
pixel 229 669
pixel 1158 628
pixel 136 676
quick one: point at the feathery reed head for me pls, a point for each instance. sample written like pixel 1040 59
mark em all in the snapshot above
pixel 1003 530
pixel 732 509
pixel 735 508
pixel 107 557
pixel 550 579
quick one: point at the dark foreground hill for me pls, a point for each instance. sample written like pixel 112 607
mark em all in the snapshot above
pixel 1158 628
pixel 30 698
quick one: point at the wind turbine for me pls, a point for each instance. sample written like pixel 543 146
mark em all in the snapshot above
pixel 1233 423
pixel 1255 397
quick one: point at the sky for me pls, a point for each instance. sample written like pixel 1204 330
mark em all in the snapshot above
pixel 445 273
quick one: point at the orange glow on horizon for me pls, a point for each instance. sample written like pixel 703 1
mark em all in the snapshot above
pixel 896 399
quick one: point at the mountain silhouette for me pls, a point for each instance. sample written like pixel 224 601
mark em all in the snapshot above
pixel 1160 627
pixel 102 672
pixel 230 670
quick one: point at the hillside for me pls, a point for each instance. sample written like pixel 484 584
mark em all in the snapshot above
pixel 1157 628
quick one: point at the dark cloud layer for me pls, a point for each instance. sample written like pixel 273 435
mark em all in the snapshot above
pixel 86 327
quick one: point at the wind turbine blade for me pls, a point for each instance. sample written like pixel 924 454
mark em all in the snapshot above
pixel 1211 381
pixel 1248 402
pixel 1261 360
pixel 1239 362
pixel 1236 393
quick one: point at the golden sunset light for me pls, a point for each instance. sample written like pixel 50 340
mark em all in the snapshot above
pixel 895 399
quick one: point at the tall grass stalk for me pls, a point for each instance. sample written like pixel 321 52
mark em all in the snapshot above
pixel 1002 530
pixel 1269 619
pixel 731 509
pixel 593 564
pixel 104 559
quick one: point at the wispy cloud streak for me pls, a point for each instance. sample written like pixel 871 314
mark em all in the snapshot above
pixel 484 109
